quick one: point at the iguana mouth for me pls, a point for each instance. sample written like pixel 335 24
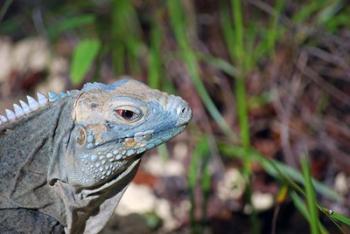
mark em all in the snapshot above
pixel 157 135
pixel 146 136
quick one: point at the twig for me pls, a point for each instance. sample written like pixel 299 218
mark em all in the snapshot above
pixel 285 109
pixel 274 219
pixel 328 57
pixel 333 91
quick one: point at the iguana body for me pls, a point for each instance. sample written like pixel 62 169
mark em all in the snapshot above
pixel 65 162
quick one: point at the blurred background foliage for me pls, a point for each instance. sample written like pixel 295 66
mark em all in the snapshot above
pixel 268 81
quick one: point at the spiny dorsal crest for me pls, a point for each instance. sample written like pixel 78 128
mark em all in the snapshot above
pixel 32 104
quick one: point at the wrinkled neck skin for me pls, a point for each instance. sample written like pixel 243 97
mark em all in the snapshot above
pixel 88 210
pixel 44 143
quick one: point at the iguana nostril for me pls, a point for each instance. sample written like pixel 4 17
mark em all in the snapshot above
pixel 184 112
pixel 181 109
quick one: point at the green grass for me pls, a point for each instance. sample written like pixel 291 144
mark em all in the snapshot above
pixel 70 24
pixel 126 41
pixel 155 64
pixel 303 209
pixel 198 174
pixel 301 184
pixel 310 198
pixel 242 107
pixel 239 45
pixel 279 170
pixel 84 54
pixel 4 8
pixel 177 20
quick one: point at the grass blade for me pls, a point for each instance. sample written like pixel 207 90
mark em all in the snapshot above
pixel 310 197
pixel 335 216
pixel 300 205
pixel 4 8
pixel 70 23
pixel 154 71
pixel 83 55
pixel 126 36
pixel 201 150
pixel 341 218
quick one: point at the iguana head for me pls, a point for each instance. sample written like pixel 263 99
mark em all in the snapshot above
pixel 115 124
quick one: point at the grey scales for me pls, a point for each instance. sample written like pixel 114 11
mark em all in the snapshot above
pixel 66 159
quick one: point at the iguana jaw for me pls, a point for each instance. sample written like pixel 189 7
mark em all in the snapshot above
pixel 109 159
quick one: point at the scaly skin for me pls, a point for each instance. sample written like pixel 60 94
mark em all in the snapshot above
pixel 67 164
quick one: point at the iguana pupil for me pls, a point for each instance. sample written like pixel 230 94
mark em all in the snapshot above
pixel 126 114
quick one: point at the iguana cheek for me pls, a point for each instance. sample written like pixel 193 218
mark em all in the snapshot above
pixel 94 134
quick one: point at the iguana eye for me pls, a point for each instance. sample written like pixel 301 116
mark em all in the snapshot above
pixel 129 114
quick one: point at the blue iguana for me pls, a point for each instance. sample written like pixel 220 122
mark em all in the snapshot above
pixel 66 159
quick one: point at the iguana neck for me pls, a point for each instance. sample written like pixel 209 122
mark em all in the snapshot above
pixel 36 141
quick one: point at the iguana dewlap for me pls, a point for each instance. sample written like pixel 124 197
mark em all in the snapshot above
pixel 66 160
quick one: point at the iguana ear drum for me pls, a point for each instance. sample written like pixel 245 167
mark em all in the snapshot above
pixel 81 138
